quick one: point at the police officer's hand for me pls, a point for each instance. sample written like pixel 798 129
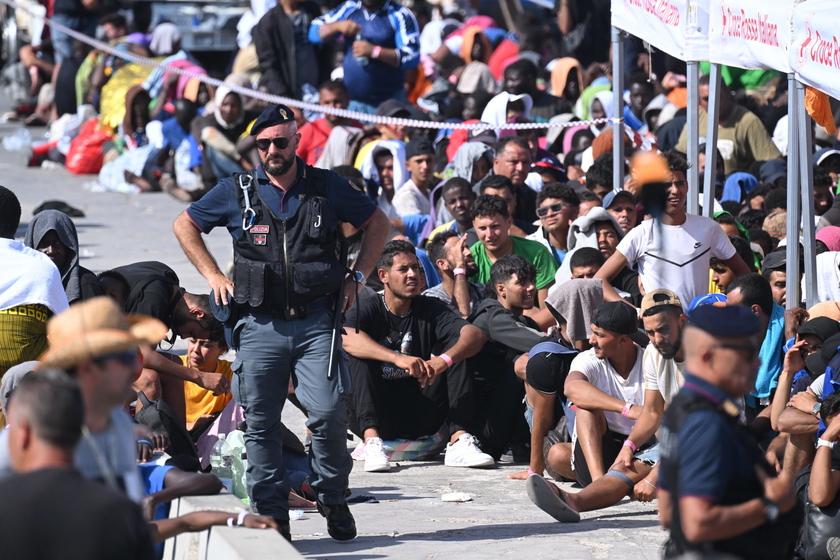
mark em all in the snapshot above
pixel 349 294
pixel 215 382
pixel 416 367
pixel 778 489
pixel 222 287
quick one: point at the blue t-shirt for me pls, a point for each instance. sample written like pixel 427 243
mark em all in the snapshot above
pixel 712 460
pixel 391 27
pixel 414 225
pixel 219 207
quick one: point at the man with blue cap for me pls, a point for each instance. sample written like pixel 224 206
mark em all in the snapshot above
pixel 284 218
pixel 718 495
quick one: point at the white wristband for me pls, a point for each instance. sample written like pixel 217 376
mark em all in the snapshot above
pixel 230 523
pixel 825 443
pixel 241 519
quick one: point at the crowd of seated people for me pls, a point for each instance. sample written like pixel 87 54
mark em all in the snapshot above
pixel 523 307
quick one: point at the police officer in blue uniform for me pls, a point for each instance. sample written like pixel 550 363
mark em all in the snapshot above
pixel 283 218
pixel 717 494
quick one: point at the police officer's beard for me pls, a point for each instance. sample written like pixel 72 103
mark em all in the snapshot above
pixel 277 165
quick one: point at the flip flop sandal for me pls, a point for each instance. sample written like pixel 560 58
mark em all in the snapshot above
pixel 541 493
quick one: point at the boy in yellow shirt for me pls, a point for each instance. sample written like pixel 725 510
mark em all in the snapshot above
pixel 202 405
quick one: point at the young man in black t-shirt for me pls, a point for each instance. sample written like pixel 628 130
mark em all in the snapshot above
pixel 406 360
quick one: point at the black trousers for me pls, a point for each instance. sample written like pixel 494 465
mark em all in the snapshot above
pixel 400 408
pixel 499 405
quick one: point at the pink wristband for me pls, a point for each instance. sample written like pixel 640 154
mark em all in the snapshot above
pixel 446 359
pixel 626 411
pixel 630 444
pixel 377 50
pixel 457 271
pixel 530 472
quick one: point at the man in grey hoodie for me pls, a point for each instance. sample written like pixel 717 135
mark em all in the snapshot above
pixel 510 334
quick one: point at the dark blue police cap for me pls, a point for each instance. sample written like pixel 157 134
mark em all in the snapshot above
pixel 726 322
pixel 272 116
pixel 223 314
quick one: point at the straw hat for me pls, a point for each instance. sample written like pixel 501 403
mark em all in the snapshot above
pixel 94 328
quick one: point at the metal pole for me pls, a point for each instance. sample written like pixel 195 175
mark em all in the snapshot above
pixel 806 182
pixel 693 124
pixel 793 294
pixel 618 108
pixel 711 142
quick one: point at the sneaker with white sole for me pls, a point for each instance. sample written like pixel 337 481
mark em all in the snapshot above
pixel 375 458
pixel 465 453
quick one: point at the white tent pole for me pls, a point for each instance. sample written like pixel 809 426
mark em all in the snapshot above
pixel 806 184
pixel 793 202
pixel 693 71
pixel 618 107
pixel 711 141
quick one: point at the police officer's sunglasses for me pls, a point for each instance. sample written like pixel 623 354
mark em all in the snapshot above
pixel 279 142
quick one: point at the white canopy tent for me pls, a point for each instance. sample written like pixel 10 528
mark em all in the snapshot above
pixel 795 37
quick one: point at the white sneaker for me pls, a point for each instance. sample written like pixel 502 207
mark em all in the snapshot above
pixel 465 453
pixel 375 458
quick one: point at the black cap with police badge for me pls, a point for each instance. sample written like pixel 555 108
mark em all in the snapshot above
pixel 272 116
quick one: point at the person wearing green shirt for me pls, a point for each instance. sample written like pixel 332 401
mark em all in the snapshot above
pixel 492 223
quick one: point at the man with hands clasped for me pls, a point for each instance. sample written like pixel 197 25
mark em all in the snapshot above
pixel 407 365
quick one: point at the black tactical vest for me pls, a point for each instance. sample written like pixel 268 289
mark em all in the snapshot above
pixel 770 541
pixel 285 263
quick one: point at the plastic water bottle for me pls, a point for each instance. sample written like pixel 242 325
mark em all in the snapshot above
pixel 362 60
pixel 221 462
pixel 236 444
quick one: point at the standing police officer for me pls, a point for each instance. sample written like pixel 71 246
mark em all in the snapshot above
pixel 283 217
pixel 717 494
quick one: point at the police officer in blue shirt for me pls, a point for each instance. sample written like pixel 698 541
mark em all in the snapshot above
pixel 283 218
pixel 717 494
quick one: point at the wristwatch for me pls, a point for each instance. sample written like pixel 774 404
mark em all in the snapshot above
pixel 359 276
pixel 816 409
pixel 771 510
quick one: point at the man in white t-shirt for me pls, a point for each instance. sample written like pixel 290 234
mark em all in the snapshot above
pixel 413 197
pixel 675 248
pixel 607 386
pixel 633 472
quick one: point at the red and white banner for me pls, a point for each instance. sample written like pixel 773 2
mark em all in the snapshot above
pixel 815 49
pixel 678 27
pixel 750 34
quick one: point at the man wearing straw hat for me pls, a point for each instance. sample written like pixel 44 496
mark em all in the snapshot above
pixel 95 343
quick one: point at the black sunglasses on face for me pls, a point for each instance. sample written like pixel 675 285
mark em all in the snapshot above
pixel 279 142
pixel 555 208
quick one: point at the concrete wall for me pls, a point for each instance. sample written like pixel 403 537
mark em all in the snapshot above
pixel 224 543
